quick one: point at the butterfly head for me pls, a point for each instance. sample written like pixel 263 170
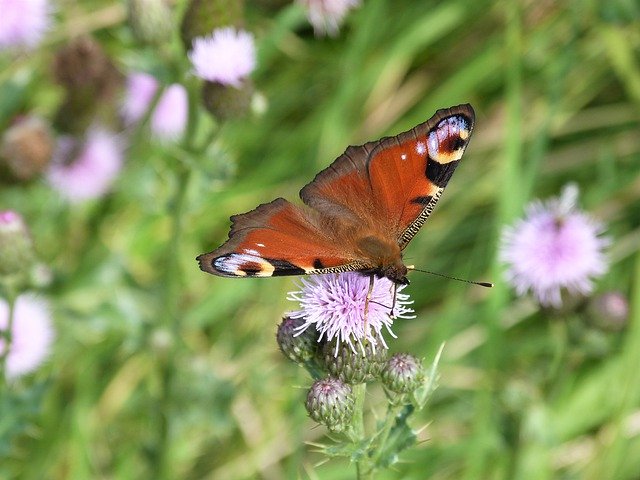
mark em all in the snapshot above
pixel 396 272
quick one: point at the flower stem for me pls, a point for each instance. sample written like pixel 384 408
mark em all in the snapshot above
pixel 357 433
pixel 389 422
pixel 171 283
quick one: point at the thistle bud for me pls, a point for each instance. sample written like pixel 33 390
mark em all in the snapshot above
pixel 26 148
pixel 16 248
pixel 362 363
pixel 299 347
pixel 402 373
pixel 330 402
pixel 91 81
pixel 203 16
pixel 225 102
pixel 151 20
pixel 609 311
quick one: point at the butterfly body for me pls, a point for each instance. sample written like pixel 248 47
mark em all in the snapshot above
pixel 361 211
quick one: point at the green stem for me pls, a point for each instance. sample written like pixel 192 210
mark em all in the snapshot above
pixel 389 422
pixel 364 468
pixel 171 283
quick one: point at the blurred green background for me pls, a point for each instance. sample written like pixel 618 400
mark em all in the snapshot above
pixel 159 370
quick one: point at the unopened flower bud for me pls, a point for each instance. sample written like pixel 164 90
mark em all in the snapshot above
pixel 609 311
pixel 299 347
pixel 330 402
pixel 26 148
pixel 227 102
pixel 203 16
pixel 402 373
pixel 358 364
pixel 151 20
pixel 16 248
pixel 91 81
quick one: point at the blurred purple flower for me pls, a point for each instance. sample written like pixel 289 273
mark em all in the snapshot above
pixel 326 15
pixel 32 334
pixel 226 56
pixel 334 303
pixel 85 171
pixel 140 90
pixel 23 23
pixel 169 118
pixel 554 246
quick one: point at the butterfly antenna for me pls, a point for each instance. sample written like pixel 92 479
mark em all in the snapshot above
pixel 482 284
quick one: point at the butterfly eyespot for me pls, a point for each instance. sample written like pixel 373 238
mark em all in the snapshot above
pixel 446 142
pixel 242 265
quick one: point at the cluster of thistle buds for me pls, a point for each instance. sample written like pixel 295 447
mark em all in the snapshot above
pixel 337 367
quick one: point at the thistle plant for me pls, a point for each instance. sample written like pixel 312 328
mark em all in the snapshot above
pixel 343 353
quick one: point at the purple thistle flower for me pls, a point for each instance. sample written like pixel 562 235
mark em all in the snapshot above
pixel 169 118
pixel 226 56
pixel 140 90
pixel 23 23
pixel 326 15
pixel 32 334
pixel 86 171
pixel 554 246
pixel 335 303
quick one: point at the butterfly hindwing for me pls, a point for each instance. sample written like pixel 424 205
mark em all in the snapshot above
pixel 277 239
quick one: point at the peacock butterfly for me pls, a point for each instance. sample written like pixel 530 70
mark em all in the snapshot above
pixel 364 208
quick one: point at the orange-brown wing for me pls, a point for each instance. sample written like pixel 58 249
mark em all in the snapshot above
pixel 391 186
pixel 279 238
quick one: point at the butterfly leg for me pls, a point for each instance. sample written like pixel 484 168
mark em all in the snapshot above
pixel 393 304
pixel 366 304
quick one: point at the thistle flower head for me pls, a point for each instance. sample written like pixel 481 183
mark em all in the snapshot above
pixel 86 171
pixel 31 334
pixel 227 56
pixel 140 90
pixel 335 304
pixel 554 247
pixel 326 15
pixel 169 117
pixel 24 22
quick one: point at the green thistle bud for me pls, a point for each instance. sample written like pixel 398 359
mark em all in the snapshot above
pixel 299 348
pixel 330 402
pixel 360 364
pixel 226 102
pixel 203 16
pixel 402 373
pixel 26 148
pixel 16 248
pixel 91 81
pixel 151 20
pixel 609 311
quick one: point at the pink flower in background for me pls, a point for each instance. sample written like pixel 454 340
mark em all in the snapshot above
pixel 554 247
pixel 169 118
pixel 226 56
pixel 140 90
pixel 85 171
pixel 335 303
pixel 23 23
pixel 326 15
pixel 32 334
